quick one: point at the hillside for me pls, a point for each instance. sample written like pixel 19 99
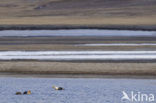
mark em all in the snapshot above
pixel 78 12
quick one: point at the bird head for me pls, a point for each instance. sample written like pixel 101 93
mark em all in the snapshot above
pixel 29 92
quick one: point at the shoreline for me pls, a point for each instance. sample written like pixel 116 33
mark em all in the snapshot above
pixel 80 69
pixel 71 69
pixel 100 76
pixel 69 27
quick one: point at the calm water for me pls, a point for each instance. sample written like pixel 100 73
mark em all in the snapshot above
pixel 76 90
pixel 79 32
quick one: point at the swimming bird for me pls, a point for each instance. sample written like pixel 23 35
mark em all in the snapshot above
pixel 57 88
pixel 18 93
pixel 27 92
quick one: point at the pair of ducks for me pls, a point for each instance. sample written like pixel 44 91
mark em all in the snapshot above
pixel 29 92
pixel 26 92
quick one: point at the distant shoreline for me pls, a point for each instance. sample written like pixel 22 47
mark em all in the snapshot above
pixel 66 27
pixel 108 76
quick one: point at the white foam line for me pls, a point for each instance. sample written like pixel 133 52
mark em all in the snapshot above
pixel 78 55
pixel 48 53
pixel 82 57
pixel 119 44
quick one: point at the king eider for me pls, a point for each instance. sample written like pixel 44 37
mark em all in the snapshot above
pixel 27 92
pixel 18 93
pixel 57 88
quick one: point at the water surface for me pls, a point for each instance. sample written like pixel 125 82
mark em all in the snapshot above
pixel 76 90
pixel 77 32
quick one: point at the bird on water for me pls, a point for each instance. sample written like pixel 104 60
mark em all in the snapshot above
pixel 27 92
pixel 18 93
pixel 58 88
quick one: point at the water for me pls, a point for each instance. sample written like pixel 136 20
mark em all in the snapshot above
pixel 78 32
pixel 76 90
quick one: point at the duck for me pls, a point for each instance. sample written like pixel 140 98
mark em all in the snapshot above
pixel 58 88
pixel 27 92
pixel 18 93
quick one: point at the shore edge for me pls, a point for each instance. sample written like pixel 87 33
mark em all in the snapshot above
pixel 59 27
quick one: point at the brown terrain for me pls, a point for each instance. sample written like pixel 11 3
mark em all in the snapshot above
pixel 93 68
pixel 97 13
